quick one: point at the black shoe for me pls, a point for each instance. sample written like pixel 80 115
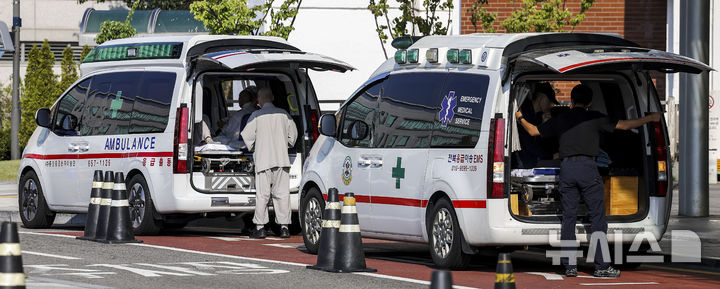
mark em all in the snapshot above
pixel 284 232
pixel 258 234
pixel 607 272
pixel 572 272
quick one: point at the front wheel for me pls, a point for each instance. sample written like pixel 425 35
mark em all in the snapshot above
pixel 445 237
pixel 311 214
pixel 142 209
pixel 34 211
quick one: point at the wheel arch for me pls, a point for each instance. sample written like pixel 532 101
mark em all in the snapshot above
pixel 131 174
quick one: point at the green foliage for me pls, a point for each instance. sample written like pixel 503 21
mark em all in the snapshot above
pixel 152 4
pixel 86 50
pixel 9 170
pixel 412 19
pixel 110 30
pixel 41 88
pixel 68 69
pixel 5 110
pixel 239 18
pixel 532 16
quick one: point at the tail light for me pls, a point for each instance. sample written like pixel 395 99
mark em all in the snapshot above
pixel 181 140
pixel 661 156
pixel 314 119
pixel 496 172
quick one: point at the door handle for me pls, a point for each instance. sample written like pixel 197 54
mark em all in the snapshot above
pixel 364 162
pixel 73 148
pixel 83 146
pixel 376 162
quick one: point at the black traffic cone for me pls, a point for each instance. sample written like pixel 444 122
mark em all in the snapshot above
pixel 104 212
pixel 91 221
pixel 350 256
pixel 505 278
pixel 119 226
pixel 328 236
pixel 11 267
pixel 441 279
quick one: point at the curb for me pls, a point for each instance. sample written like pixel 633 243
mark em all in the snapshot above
pixel 60 219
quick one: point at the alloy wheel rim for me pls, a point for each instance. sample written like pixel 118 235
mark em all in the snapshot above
pixel 442 231
pixel 313 220
pixel 137 204
pixel 29 199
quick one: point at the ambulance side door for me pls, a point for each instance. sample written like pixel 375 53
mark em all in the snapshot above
pixel 403 136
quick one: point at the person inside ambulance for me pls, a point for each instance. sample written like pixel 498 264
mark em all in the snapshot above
pixel 230 131
pixel 536 110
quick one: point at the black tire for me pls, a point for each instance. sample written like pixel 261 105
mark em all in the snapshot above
pixel 32 207
pixel 144 218
pixel 445 238
pixel 312 207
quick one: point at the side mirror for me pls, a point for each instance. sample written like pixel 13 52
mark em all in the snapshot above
pixel 327 125
pixel 358 130
pixel 69 122
pixel 43 118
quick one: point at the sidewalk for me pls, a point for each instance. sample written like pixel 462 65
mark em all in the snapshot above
pixel 708 228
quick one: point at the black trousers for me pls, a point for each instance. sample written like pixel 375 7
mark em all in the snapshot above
pixel 579 176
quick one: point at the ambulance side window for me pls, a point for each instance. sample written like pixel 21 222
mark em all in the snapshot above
pixel 408 108
pixel 110 103
pixel 459 120
pixel 362 108
pixel 70 108
pixel 152 104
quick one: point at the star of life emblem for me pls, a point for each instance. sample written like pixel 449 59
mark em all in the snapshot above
pixel 447 112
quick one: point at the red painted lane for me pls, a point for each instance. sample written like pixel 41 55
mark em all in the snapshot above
pixel 483 276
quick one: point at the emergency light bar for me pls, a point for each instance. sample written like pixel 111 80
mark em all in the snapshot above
pixel 135 51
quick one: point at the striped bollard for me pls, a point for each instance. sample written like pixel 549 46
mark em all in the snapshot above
pixel 328 236
pixel 105 201
pixel 91 221
pixel 11 267
pixel 350 256
pixel 119 226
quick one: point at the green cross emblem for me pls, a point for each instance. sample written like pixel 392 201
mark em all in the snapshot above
pixel 398 172
pixel 116 104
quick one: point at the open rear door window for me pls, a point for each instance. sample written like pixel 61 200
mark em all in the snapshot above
pixel 576 60
pixel 251 59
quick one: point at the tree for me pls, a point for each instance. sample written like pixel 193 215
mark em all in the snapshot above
pixel 5 108
pixel 239 18
pixel 411 21
pixel 68 69
pixel 41 88
pixel 152 4
pixel 532 16
pixel 110 30
pixel 86 50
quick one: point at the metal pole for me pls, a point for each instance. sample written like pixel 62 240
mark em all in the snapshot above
pixel 15 113
pixel 694 193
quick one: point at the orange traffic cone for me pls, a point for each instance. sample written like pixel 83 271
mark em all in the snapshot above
pixel 505 278
pixel 441 279
pixel 329 234
pixel 350 256
pixel 11 267
pixel 119 226
pixel 91 221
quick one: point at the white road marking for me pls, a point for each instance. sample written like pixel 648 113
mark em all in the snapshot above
pixel 47 234
pixel 264 260
pixel 406 279
pixel 619 284
pixel 241 238
pixel 285 245
pixel 548 276
pixel 55 282
pixel 51 255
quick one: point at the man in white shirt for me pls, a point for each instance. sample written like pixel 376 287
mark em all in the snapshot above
pixel 269 133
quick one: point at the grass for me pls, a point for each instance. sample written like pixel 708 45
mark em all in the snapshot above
pixel 9 170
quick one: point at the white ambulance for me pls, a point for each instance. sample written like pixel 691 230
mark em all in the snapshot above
pixel 139 108
pixel 427 144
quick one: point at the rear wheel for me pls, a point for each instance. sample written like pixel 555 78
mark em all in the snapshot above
pixel 311 214
pixel 34 211
pixel 445 237
pixel 142 209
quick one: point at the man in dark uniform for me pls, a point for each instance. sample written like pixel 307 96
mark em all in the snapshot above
pixel 579 132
